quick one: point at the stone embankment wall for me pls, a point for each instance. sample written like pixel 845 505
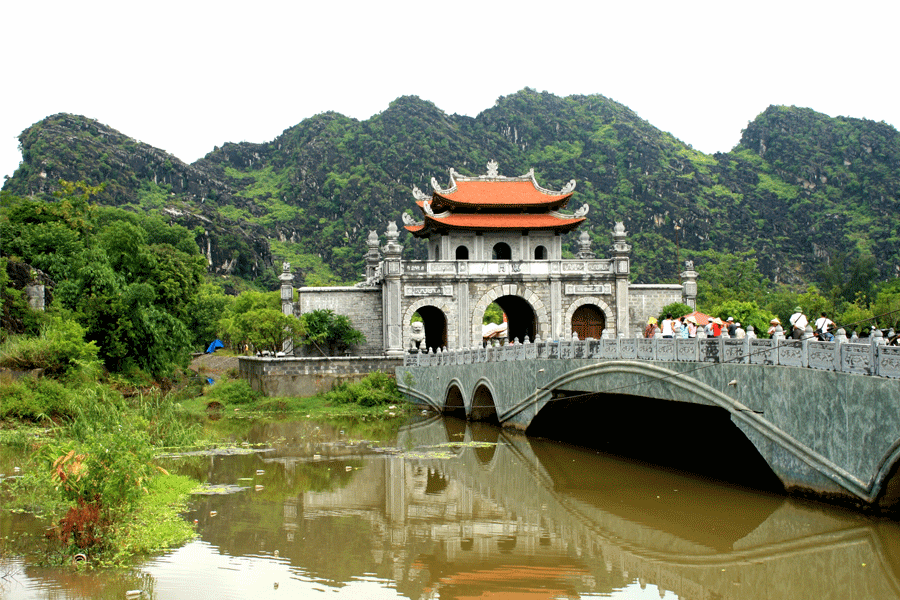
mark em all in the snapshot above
pixel 294 376
pixel 361 305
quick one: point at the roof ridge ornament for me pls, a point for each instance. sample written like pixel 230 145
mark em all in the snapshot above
pixel 408 219
pixel 418 195
pixel 493 168
pixel 451 189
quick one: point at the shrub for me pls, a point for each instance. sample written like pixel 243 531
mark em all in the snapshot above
pixel 36 399
pixel 60 350
pixel 235 391
pixel 375 389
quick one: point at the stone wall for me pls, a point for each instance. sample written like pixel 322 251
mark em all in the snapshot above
pixel 300 377
pixel 646 300
pixel 361 305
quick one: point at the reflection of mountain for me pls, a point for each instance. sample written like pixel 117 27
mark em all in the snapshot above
pixel 447 512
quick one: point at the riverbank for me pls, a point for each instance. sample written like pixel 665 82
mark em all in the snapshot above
pixel 87 454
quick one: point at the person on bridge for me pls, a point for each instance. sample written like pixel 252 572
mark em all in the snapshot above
pixel 798 323
pixel 732 326
pixel 691 326
pixel 668 331
pixel 773 325
pixel 651 328
pixel 824 325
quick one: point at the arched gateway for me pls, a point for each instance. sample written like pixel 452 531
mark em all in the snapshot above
pixel 492 239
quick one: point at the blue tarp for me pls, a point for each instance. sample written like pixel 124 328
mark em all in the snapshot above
pixel 214 345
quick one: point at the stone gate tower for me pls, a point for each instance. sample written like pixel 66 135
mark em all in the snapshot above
pixel 497 239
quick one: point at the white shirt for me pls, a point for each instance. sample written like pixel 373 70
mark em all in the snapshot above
pixel 824 324
pixel 799 320
pixel 667 327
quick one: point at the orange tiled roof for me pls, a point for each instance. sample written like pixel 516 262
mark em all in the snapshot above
pixel 496 222
pixel 499 193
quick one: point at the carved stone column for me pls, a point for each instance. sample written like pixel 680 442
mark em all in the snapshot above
pixel 287 289
pixel 287 300
pixel 391 293
pixel 373 256
pixel 689 283
pixel 622 264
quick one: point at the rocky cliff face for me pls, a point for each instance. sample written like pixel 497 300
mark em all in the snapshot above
pixel 135 174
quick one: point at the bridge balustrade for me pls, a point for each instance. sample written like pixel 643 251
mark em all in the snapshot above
pixel 864 358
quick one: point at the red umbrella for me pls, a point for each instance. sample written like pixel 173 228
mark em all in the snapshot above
pixel 701 318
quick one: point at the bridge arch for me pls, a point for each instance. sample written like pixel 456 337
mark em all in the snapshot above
pixel 435 319
pixel 454 400
pixel 886 488
pixel 591 301
pixel 483 407
pixel 504 294
pixel 764 435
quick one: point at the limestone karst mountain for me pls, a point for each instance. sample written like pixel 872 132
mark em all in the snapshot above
pixel 798 189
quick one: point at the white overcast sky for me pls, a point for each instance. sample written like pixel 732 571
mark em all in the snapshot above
pixel 187 75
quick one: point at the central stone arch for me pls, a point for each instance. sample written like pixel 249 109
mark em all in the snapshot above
pixel 528 297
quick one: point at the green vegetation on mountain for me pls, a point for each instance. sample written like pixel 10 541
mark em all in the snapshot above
pixel 801 191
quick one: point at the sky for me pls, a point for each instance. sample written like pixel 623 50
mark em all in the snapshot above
pixel 187 75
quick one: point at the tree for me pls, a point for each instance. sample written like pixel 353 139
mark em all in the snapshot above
pixel 269 329
pixel 729 277
pixel 746 313
pixel 328 332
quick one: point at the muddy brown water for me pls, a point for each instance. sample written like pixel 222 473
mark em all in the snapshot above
pixel 458 510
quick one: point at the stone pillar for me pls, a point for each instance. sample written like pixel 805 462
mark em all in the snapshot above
pixel 689 283
pixel 622 265
pixel 287 300
pixel 391 293
pixel 287 289
pixel 373 256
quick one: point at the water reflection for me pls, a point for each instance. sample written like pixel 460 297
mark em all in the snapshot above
pixel 457 510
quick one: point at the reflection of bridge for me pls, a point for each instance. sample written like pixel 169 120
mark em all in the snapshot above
pixel 824 416
pixel 467 504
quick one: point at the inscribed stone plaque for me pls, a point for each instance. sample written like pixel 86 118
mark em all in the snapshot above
pixel 665 348
pixel 821 355
pixel 888 361
pixel 761 352
pixel 646 349
pixel 583 289
pixel 428 290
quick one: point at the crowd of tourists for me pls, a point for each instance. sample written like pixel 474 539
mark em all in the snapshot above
pixel 687 326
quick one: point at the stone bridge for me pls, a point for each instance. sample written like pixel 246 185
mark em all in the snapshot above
pixel 824 416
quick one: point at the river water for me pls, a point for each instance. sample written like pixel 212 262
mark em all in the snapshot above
pixel 451 509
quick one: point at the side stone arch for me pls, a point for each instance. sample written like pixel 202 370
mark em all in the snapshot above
pixel 608 313
pixel 540 309
pixel 483 402
pixel 455 399
pixel 439 303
